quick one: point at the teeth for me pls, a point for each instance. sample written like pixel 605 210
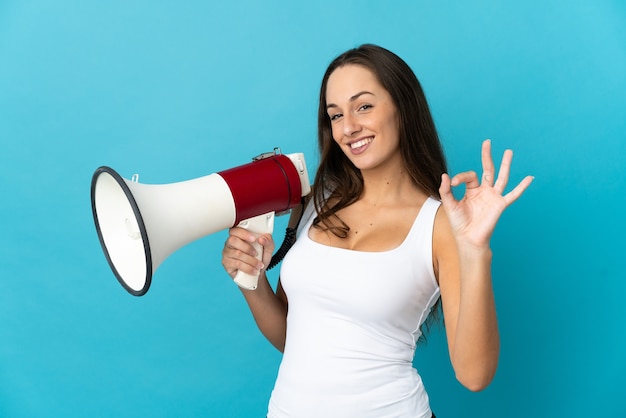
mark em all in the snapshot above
pixel 360 143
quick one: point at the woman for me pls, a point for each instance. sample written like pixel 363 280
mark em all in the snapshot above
pixel 375 254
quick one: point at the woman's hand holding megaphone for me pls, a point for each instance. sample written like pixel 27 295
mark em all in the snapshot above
pixel 246 254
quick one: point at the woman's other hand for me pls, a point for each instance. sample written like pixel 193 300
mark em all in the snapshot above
pixel 474 217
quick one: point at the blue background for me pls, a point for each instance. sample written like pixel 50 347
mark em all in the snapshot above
pixel 178 90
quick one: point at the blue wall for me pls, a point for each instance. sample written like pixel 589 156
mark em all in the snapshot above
pixel 177 90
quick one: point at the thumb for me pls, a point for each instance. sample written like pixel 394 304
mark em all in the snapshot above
pixel 267 242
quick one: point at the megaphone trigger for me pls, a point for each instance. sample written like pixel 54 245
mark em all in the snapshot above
pixel 258 225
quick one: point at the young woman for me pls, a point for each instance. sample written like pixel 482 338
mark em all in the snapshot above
pixel 382 242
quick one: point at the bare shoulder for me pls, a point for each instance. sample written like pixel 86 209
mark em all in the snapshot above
pixel 442 233
pixel 444 246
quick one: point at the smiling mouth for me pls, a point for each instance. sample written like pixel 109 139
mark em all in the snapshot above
pixel 362 142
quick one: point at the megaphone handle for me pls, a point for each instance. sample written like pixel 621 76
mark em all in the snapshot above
pixel 261 224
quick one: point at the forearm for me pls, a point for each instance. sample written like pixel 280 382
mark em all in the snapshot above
pixel 477 343
pixel 269 312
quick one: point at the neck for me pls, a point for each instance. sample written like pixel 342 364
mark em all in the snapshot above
pixel 385 187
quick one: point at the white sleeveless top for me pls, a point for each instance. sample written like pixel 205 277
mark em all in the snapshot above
pixel 353 321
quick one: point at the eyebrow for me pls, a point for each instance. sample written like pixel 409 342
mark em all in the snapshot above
pixel 353 98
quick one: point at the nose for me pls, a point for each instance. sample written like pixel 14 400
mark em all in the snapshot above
pixel 350 124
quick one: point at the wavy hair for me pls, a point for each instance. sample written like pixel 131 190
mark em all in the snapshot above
pixel 337 179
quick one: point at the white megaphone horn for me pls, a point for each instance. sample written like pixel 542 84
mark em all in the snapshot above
pixel 140 225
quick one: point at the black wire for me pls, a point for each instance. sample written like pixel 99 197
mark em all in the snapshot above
pixel 290 239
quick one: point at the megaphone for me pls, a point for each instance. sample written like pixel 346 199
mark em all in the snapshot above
pixel 140 225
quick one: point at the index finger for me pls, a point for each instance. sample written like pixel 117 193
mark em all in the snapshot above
pixel 242 234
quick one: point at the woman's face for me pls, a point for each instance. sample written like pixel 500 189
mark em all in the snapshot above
pixel 363 118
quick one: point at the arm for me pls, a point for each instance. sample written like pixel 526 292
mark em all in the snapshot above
pixel 468 303
pixel 268 308
pixel 463 262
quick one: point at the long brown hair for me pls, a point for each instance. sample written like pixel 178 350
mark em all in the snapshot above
pixel 420 147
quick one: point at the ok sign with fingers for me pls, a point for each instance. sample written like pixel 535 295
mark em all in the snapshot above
pixel 474 217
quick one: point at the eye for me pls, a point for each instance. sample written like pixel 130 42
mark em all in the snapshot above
pixel 365 106
pixel 335 117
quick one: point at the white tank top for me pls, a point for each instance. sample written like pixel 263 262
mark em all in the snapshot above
pixel 353 322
